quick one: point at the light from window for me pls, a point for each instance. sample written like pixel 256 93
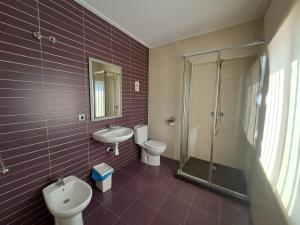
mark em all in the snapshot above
pixel 99 98
pixel 273 119
pixel 289 178
pixel 250 114
pixel 280 152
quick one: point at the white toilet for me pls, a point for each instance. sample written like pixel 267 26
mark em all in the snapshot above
pixel 151 150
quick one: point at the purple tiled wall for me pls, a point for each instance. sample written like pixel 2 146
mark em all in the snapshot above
pixel 43 88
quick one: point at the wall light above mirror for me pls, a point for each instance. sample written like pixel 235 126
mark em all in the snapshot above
pixel 105 90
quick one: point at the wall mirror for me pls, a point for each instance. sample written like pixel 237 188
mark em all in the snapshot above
pixel 105 90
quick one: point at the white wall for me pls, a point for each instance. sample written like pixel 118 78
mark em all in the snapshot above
pixel 165 77
pixel 282 32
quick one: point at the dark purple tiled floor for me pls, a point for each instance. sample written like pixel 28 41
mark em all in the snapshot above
pixel 152 195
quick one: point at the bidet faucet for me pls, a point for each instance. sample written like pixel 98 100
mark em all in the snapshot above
pixel 60 181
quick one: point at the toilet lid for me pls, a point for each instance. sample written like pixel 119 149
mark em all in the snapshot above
pixel 155 144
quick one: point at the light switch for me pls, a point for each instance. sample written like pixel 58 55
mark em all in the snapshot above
pixel 137 86
pixel 81 117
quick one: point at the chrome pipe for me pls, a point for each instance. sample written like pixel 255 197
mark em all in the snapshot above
pixel 214 123
pixel 3 169
pixel 222 49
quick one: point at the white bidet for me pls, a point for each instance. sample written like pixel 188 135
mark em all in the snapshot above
pixel 66 199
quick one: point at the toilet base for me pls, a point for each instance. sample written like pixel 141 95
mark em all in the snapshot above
pixel 153 160
pixel 74 220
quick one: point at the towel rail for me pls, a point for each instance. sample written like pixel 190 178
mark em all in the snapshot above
pixel 3 169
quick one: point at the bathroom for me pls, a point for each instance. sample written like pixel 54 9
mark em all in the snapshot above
pixel 190 105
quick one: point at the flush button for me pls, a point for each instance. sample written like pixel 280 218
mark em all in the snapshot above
pixel 81 117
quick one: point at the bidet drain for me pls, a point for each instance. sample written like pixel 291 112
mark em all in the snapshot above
pixel 66 201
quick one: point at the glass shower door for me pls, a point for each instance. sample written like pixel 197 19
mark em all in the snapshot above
pixel 200 121
pixel 219 125
pixel 236 117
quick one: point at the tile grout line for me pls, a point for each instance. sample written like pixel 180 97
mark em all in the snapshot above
pixel 220 210
pixel 74 14
pixel 24 192
pixel 38 58
pixel 190 206
pixel 32 203
pixel 16 18
pixel 165 198
pixel 114 157
pixel 26 213
pixel 40 10
pixel 135 199
pixel 28 168
pixel 69 161
pixel 86 85
pixel 45 100
pixel 26 154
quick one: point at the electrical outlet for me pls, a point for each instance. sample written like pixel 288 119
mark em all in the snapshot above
pixel 137 86
pixel 81 117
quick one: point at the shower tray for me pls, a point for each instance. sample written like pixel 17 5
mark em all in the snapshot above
pixel 228 179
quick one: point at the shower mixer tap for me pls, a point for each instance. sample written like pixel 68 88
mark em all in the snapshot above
pixel 217 125
pixel 218 114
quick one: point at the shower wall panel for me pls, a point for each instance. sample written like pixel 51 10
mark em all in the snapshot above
pixel 228 146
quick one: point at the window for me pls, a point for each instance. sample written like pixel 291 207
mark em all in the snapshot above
pixel 99 98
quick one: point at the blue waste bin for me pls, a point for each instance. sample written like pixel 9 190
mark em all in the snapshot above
pixel 102 175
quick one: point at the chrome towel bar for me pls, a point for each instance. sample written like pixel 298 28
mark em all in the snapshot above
pixel 3 168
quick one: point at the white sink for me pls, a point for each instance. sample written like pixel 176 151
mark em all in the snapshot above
pixel 67 201
pixel 113 135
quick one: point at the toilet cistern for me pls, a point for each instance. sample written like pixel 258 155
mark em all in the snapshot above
pixel 151 149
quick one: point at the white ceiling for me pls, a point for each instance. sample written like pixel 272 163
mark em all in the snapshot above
pixel 157 22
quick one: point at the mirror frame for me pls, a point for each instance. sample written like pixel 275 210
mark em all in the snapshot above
pixel 91 82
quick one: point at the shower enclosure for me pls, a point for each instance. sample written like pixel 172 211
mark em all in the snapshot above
pixel 219 117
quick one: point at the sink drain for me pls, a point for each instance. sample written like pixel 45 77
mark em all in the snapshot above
pixel 66 201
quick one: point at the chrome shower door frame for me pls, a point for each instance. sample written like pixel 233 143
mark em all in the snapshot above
pixel 214 122
pixel 185 117
pixel 209 182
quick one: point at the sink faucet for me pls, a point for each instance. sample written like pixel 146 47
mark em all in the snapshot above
pixel 60 181
pixel 111 127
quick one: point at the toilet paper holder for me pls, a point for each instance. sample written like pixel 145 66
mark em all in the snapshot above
pixel 171 121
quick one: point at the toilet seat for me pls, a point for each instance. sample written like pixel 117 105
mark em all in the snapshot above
pixel 154 147
pixel 155 144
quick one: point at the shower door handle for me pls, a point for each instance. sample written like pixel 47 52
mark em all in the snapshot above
pixel 218 116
